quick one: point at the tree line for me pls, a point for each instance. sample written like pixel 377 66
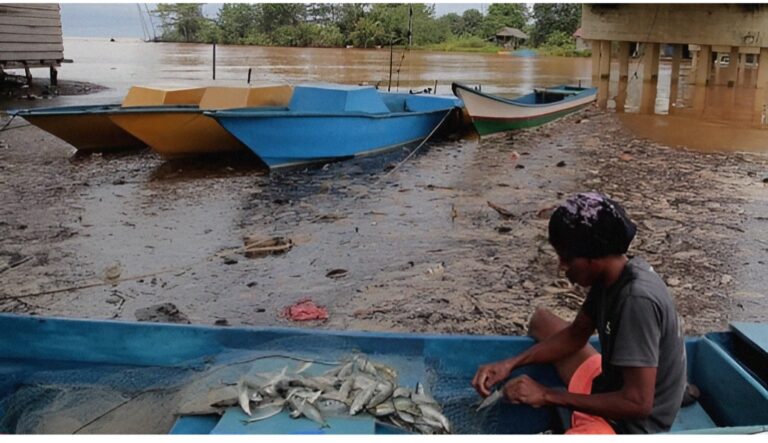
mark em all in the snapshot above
pixel 365 25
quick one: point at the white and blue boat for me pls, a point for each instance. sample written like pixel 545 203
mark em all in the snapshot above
pixel 324 123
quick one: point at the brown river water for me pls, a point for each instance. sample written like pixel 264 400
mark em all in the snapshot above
pixel 715 118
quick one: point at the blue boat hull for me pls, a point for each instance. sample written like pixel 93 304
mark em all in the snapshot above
pixel 291 140
pixel 335 122
pixel 84 354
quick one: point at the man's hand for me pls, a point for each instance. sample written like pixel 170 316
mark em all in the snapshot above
pixel 523 389
pixel 490 374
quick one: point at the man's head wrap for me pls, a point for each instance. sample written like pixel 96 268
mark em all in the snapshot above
pixel 590 225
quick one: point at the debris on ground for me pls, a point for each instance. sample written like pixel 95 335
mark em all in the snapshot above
pixel 305 310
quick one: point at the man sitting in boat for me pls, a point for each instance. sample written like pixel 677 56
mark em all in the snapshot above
pixel 637 384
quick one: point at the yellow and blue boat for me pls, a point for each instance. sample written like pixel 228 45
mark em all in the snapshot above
pixel 174 131
pixel 88 128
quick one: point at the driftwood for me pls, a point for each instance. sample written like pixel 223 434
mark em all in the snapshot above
pixel 257 246
pixel 503 212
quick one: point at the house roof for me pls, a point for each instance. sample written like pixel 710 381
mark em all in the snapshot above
pixel 511 32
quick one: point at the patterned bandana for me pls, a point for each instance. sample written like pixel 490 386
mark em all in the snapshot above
pixel 590 225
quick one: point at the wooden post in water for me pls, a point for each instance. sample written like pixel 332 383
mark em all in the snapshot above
pixel 674 78
pixel 214 60
pixel 621 95
pixel 54 76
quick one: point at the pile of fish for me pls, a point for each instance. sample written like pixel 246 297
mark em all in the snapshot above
pixel 356 386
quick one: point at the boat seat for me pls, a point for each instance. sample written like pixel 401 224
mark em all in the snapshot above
pixel 688 418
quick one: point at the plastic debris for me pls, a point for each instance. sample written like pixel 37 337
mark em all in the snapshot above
pixel 305 310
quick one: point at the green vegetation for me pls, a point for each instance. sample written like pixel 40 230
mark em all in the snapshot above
pixel 366 25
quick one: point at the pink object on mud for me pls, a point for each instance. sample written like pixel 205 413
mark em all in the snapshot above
pixel 304 310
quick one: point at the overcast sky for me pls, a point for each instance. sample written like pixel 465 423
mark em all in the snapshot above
pixel 123 19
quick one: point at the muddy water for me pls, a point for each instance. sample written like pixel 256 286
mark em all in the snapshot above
pixel 126 62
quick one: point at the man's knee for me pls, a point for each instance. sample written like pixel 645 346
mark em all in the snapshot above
pixel 545 323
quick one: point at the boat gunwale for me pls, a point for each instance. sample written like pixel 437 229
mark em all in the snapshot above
pixel 267 113
pixel 66 111
pixel 577 96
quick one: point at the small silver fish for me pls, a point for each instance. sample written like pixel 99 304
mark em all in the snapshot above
pixel 362 399
pixel 491 399
pixel 328 406
pixel 383 409
pixel 265 411
pixel 429 412
pixel 383 392
pixel 243 397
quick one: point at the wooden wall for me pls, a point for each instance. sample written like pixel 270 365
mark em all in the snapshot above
pixel 30 33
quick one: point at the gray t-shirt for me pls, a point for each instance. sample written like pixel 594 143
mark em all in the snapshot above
pixel 638 326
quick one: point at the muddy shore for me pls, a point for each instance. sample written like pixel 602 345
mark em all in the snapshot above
pixel 416 249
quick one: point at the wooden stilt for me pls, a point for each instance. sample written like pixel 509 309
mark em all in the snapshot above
pixel 28 74
pixel 54 76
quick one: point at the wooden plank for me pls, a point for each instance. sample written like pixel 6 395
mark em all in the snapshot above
pixel 14 11
pixel 29 21
pixel 24 56
pixel 46 6
pixel 29 38
pixel 30 47
pixel 28 29
pixel 30 64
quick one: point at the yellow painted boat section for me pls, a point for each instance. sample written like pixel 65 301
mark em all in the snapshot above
pixel 175 133
pixel 217 97
pixel 147 96
pixel 87 132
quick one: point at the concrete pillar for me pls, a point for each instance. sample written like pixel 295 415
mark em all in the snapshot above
pixel 605 73
pixel 733 67
pixel 674 78
pixel 761 88
pixel 621 95
pixel 650 77
pixel 601 69
pixel 703 65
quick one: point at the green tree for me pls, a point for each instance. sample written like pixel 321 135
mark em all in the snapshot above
pixel 181 21
pixel 552 17
pixel 471 22
pixel 368 33
pixel 236 21
pixel 276 15
pixel 500 15
pixel 452 21
pixel 346 18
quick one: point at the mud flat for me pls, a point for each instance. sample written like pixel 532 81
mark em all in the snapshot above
pixel 417 248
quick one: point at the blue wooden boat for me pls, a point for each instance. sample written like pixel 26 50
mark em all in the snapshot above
pixel 325 123
pixel 87 376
